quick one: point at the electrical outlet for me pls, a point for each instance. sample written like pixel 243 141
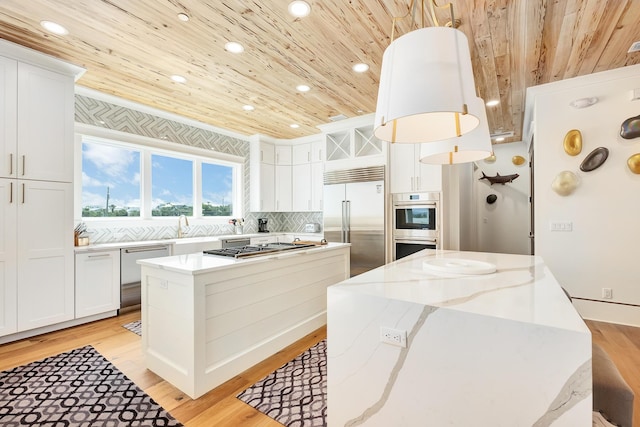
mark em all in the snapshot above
pixel 393 336
pixel 607 293
pixel 560 226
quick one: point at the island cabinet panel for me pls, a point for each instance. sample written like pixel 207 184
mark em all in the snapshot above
pixel 206 319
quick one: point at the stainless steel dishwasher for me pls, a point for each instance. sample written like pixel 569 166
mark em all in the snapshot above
pixel 130 275
pixel 235 242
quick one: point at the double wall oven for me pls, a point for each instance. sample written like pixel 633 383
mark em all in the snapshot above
pixel 416 223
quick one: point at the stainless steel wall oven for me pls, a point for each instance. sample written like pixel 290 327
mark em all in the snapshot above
pixel 416 223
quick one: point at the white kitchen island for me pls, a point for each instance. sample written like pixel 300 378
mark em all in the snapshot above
pixel 207 318
pixel 498 349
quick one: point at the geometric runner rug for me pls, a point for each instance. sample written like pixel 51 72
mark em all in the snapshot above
pixel 294 394
pixel 135 327
pixel 77 388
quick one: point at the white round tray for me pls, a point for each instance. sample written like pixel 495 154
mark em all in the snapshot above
pixel 458 266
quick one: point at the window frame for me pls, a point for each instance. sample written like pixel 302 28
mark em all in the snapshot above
pixel 148 146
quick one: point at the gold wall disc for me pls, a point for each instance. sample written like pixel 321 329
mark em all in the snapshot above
pixel 517 160
pixel 634 163
pixel 573 142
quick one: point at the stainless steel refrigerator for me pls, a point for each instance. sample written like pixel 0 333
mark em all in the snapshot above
pixel 354 213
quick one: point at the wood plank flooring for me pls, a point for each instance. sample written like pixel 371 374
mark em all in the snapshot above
pixel 220 406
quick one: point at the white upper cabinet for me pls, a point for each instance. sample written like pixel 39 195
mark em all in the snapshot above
pixel 407 174
pixel 301 154
pixel 262 168
pixel 8 117
pixel 351 143
pixel 283 155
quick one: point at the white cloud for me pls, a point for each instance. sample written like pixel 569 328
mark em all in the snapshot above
pixel 112 161
pixel 88 181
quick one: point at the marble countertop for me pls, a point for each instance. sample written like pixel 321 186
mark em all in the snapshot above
pixel 186 240
pixel 522 288
pixel 199 263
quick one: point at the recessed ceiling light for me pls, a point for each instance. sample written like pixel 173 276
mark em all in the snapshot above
pixel 183 17
pixel 360 68
pixel 178 79
pixel 248 107
pixel 303 88
pixel 294 125
pixel 492 102
pixel 54 28
pixel 299 8
pixel 234 47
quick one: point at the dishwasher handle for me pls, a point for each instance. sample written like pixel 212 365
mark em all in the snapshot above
pixel 146 249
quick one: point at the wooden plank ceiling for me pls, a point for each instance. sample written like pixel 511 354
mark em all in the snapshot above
pixel 130 48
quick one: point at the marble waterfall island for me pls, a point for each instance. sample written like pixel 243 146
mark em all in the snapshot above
pixel 207 318
pixel 491 349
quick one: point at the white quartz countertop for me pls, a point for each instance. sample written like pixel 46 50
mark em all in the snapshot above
pixel 522 288
pixel 198 263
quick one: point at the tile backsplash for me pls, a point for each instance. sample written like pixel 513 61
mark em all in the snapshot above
pixel 111 116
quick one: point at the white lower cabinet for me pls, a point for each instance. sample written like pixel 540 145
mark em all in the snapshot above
pixel 45 280
pixel 8 259
pixel 97 282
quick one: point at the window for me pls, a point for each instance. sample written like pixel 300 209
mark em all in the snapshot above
pixel 217 190
pixel 110 181
pixel 172 186
pixel 115 184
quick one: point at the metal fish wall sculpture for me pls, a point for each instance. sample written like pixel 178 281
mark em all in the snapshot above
pixel 499 179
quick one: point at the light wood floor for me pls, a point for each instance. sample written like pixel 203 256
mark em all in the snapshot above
pixel 220 406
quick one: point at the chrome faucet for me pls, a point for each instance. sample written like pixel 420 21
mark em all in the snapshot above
pixel 186 224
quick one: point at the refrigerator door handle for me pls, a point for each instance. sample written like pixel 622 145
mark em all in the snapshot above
pixel 343 231
pixel 347 231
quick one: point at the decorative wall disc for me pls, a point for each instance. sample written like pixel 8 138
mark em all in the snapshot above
pixel 573 142
pixel 517 160
pixel 630 128
pixel 565 183
pixel 594 159
pixel 634 163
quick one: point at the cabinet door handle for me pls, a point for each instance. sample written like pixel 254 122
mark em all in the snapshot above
pixel 11 192
pixel 10 164
pixel 23 191
pixel 23 163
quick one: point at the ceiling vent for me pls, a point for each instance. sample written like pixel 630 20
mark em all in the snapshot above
pixel 337 118
pixel 635 47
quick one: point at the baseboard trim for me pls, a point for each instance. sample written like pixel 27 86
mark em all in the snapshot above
pixel 610 312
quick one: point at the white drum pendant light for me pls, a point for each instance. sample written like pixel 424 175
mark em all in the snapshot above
pixel 426 88
pixel 470 147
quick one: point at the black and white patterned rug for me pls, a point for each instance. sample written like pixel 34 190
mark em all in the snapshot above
pixel 77 388
pixel 294 394
pixel 135 327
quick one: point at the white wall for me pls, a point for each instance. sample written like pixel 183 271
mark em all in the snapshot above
pixel 602 250
pixel 503 226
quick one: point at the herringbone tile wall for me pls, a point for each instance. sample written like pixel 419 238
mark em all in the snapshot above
pixel 110 116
